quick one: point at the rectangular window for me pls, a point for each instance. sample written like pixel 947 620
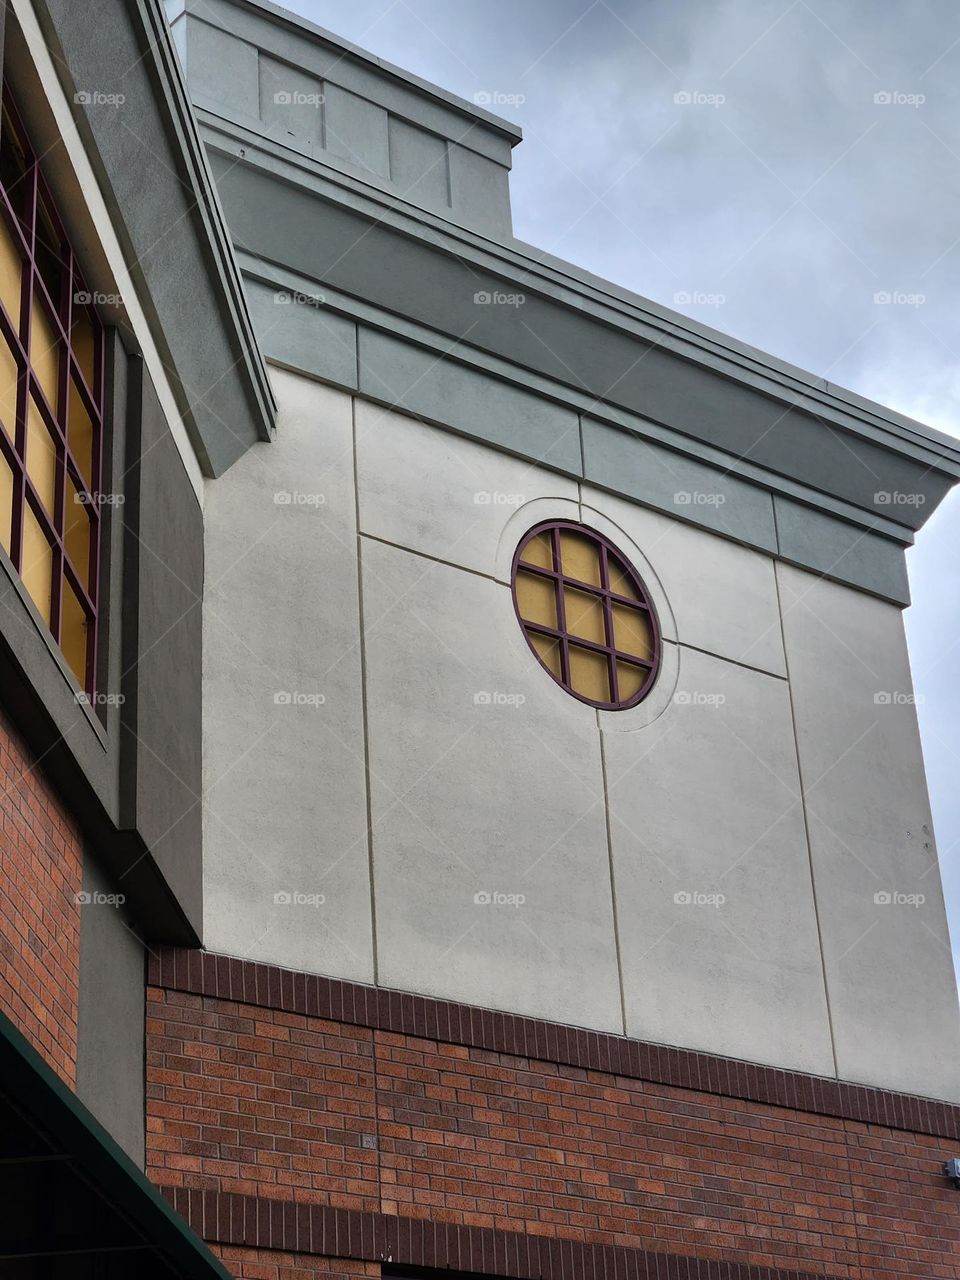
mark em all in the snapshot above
pixel 51 407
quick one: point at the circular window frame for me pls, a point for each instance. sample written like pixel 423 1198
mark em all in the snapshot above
pixel 564 637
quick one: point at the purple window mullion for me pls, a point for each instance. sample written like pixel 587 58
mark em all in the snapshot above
pixel 60 498
pixel 18 440
pixel 608 625
pixel 561 609
pixel 23 389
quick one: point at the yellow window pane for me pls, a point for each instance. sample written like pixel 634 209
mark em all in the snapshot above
pixel 620 581
pixel 583 614
pixel 80 435
pixel 8 389
pixel 36 568
pixel 77 522
pixel 579 558
pixel 547 650
pixel 589 674
pixel 82 340
pixel 73 632
pixel 6 503
pixel 11 273
pixel 41 456
pixel 632 631
pixel 539 551
pixel 45 353
pixel 630 680
pixel 536 599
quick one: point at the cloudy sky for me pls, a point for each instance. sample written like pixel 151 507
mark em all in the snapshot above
pixel 815 165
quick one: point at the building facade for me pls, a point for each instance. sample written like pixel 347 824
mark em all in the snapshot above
pixel 465 811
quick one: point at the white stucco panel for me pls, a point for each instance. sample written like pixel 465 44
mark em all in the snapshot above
pixel 439 493
pixel 286 857
pixel 885 941
pixel 718 934
pixel 490 858
pixel 723 596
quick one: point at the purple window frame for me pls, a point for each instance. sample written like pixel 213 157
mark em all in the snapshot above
pixel 21 217
pixel 608 597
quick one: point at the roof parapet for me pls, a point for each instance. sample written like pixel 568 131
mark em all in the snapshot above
pixel 324 98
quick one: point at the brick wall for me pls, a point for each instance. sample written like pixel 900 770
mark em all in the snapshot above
pixel 259 1102
pixel 41 872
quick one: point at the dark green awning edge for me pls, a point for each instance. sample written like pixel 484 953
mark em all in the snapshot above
pixel 55 1110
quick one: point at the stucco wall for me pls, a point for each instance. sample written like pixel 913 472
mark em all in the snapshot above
pixel 364 783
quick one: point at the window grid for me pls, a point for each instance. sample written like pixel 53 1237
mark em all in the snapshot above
pixel 607 596
pixel 22 207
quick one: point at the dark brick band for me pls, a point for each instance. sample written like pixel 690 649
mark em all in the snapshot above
pixel 245 981
pixel 285 1225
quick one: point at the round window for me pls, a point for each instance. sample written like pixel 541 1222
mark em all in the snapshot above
pixel 586 615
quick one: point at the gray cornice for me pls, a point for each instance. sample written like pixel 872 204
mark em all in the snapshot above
pixel 590 303
pixel 276 276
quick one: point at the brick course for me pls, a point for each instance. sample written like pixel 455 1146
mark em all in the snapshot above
pixel 270 1103
pixel 267 986
pixel 41 872
pixel 271 1264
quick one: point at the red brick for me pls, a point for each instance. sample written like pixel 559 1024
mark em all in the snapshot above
pixel 41 873
pixel 470 1137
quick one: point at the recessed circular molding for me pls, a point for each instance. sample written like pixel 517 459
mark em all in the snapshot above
pixel 586 614
pixel 541 510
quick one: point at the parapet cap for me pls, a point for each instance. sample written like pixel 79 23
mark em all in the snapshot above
pixel 307 89
pixel 284 17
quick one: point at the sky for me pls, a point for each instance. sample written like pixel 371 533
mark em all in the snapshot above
pixel 792 169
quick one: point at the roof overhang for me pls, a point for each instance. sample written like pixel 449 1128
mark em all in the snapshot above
pixel 153 172
pixel 74 1205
